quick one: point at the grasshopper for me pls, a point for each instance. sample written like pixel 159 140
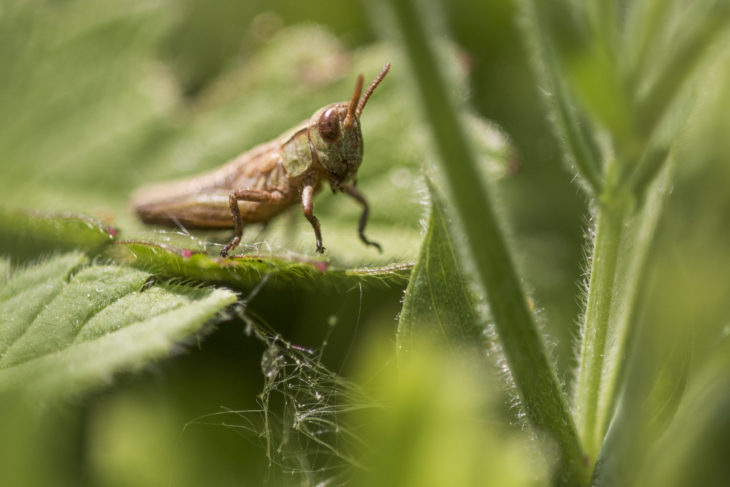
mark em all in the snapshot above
pixel 261 183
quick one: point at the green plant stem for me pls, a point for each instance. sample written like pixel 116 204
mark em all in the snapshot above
pixel 595 328
pixel 623 237
pixel 534 376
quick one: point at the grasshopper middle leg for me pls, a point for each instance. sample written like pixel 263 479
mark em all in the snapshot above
pixel 255 195
pixel 360 198
pixel 308 209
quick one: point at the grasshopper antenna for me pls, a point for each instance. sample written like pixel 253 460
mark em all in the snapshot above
pixel 350 118
pixel 370 90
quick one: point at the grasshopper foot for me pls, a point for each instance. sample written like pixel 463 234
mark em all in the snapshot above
pixel 370 243
pixel 231 245
pixel 320 249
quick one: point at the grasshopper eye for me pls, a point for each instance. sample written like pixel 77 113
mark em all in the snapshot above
pixel 329 125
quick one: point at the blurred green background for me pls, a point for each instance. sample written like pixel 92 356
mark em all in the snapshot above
pixel 145 430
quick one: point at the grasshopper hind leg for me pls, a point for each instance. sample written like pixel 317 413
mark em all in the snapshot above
pixel 233 243
pixel 237 225
pixel 255 195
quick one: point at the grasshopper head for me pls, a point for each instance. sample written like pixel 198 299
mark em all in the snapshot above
pixel 335 137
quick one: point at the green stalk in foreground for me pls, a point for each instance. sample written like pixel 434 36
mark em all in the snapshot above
pixel 597 316
pixel 533 373
pixel 624 234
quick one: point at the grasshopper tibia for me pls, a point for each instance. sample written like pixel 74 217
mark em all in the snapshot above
pixel 358 196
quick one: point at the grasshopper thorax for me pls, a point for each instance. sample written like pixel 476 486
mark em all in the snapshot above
pixel 334 134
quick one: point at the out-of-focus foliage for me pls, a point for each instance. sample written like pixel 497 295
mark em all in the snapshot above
pixel 98 98
pixel 28 234
pixel 440 423
pixel 626 89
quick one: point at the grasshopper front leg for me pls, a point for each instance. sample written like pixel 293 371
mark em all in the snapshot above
pixel 255 195
pixel 308 209
pixel 360 198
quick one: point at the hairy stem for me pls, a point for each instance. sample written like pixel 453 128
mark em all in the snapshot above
pixel 623 237
pixel 595 328
pixel 534 375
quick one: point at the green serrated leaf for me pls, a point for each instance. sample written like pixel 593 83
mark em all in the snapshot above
pixel 64 336
pixel 25 234
pixel 249 270
pixel 88 292
pixel 439 301
pixel 28 290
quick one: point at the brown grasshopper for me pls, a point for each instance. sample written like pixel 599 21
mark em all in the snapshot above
pixel 264 181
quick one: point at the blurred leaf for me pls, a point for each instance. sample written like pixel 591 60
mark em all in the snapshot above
pixel 80 92
pixel 26 437
pixel 655 385
pixel 439 301
pixel 594 75
pixel 693 451
pixel 540 29
pixel 439 425
pixel 61 334
pixel 4 270
pixel 28 234
pixel 661 86
pixel 198 47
